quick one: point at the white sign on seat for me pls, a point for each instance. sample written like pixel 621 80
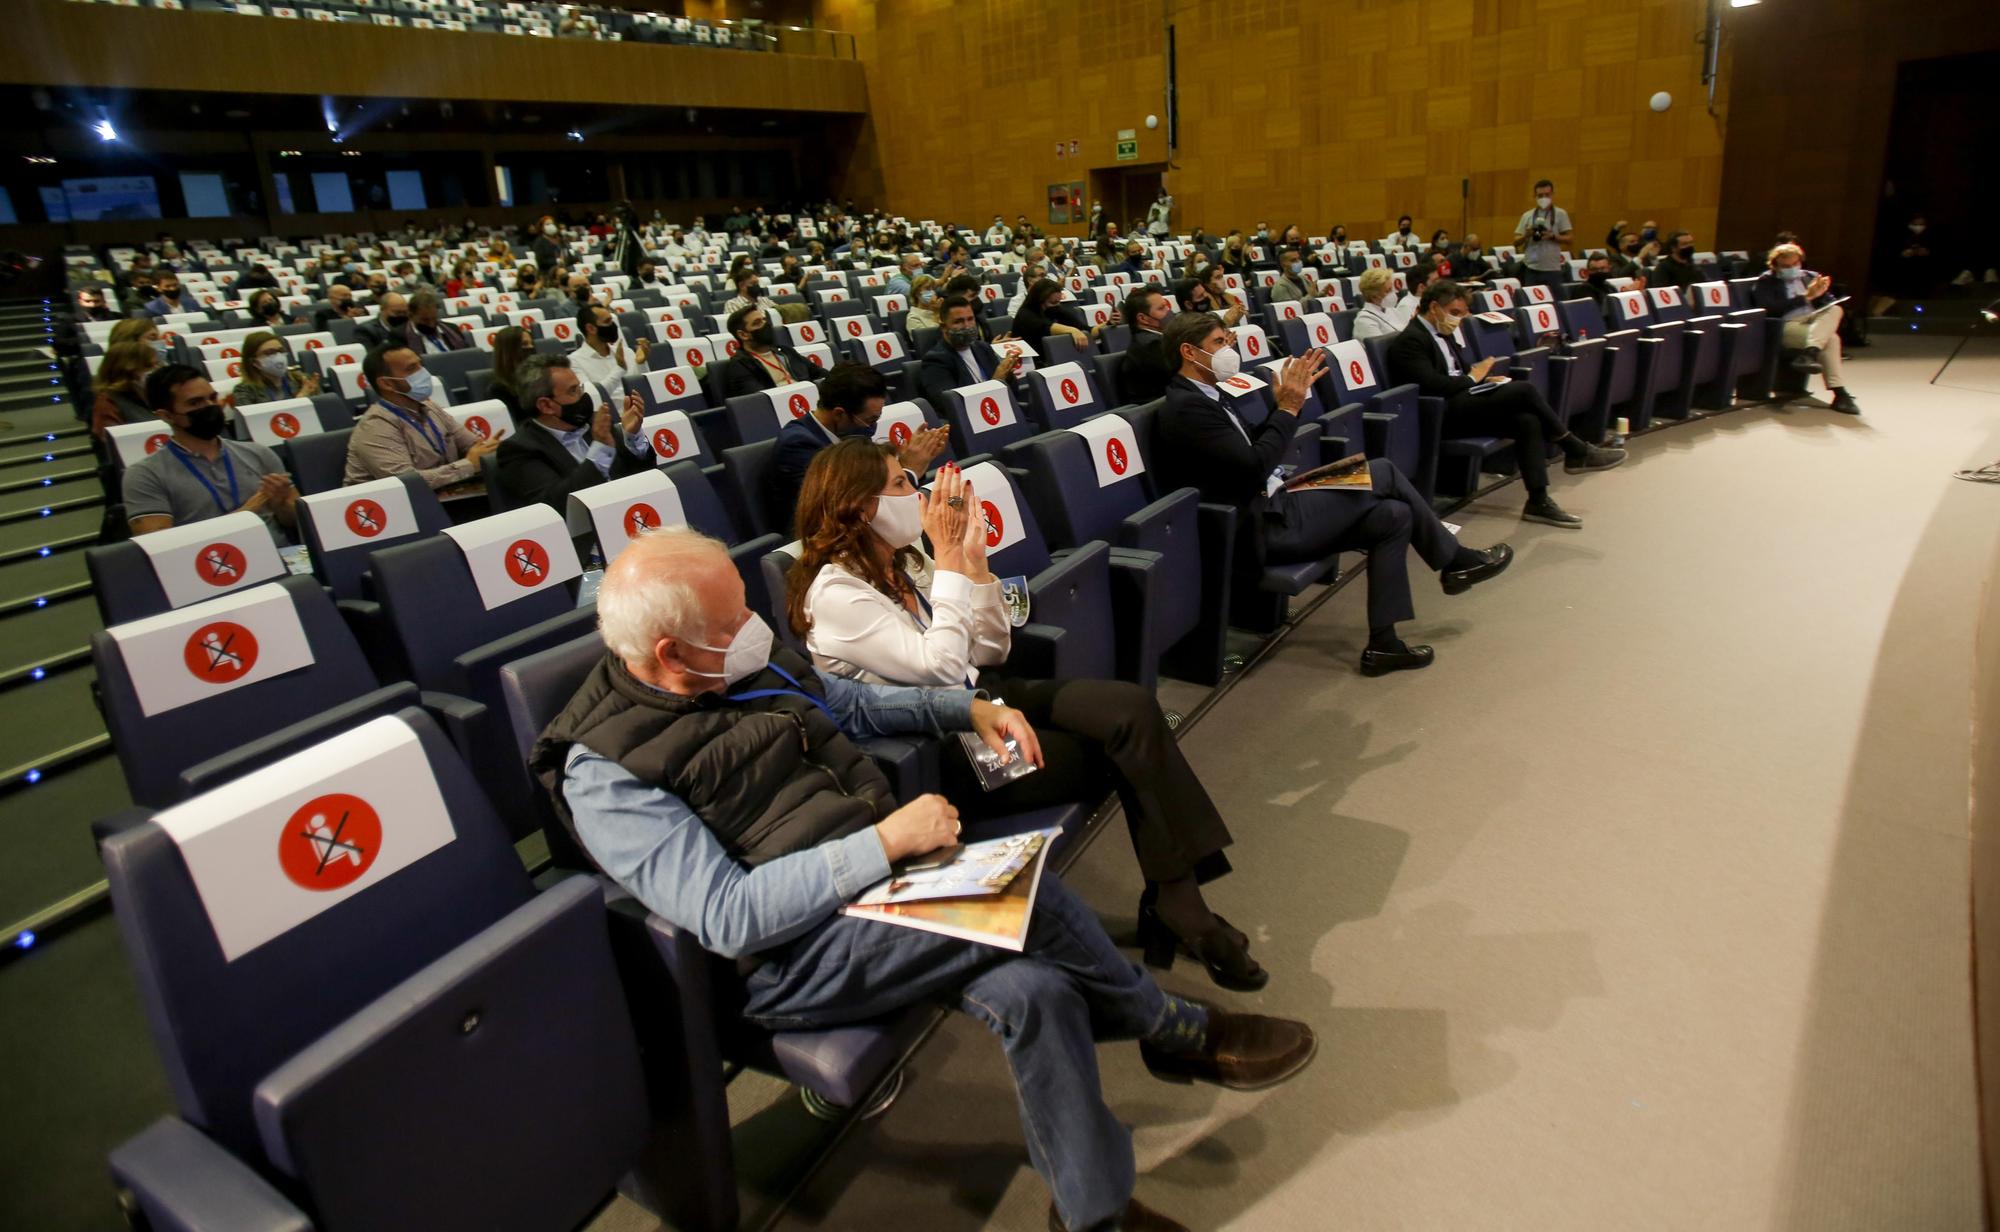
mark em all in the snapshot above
pixel 1713 295
pixel 515 554
pixel 366 514
pixel 1351 367
pixel 1631 305
pixel 1252 343
pixel 882 348
pixel 197 652
pixel 623 509
pixel 1066 387
pixel 900 421
pixel 805 332
pixel 795 400
pixel 988 405
pixel 274 423
pixel 135 442
pixel 997 507
pixel 1665 297
pixel 690 352
pixel 200 560
pixel 1114 448
pixel 482 418
pixel 1541 318
pixel 273 849
pixel 669 433
pixel 1319 329
pixel 670 385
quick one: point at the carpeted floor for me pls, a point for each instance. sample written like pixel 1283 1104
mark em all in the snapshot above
pixel 1645 907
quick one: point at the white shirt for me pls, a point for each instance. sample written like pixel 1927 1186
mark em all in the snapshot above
pixel 1375 321
pixel 1544 255
pixel 605 371
pixel 1398 242
pixel 859 633
pixel 998 235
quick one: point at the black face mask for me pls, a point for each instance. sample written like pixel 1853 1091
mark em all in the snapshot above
pixel 205 423
pixel 1686 254
pixel 268 310
pixel 1598 278
pixel 765 335
pixel 607 333
pixel 396 322
pixel 577 413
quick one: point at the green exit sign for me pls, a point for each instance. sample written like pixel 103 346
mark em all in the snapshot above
pixel 1128 151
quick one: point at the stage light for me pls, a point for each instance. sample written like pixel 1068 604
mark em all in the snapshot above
pixel 1743 4
pixel 105 131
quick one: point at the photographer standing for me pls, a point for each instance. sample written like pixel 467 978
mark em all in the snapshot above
pixel 1541 236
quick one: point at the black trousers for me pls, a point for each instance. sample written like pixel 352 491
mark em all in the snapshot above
pixel 1302 526
pixel 1098 735
pixel 1516 409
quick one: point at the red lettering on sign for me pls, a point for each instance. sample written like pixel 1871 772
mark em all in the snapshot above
pixel 220 652
pixel 330 841
pixel 989 410
pixel 675 383
pixel 366 518
pixel 230 352
pixel 817 362
pixel 220 564
pixel 527 562
pixel 996 529
pixel 1114 453
pixel 285 424
pixel 641 518
pixel 1069 392
pixel 665 443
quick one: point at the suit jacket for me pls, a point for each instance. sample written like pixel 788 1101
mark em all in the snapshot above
pixel 534 466
pixel 941 369
pixel 799 442
pixel 1196 446
pixel 1768 293
pixel 1144 374
pixel 1414 360
pixel 744 374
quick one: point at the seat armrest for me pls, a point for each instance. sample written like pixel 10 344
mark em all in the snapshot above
pixel 282 743
pixel 1168 518
pixel 460 717
pixel 1074 595
pixel 181 1181
pixel 909 762
pixel 554 631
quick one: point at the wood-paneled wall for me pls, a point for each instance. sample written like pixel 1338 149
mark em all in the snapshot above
pixel 57 43
pixel 1306 111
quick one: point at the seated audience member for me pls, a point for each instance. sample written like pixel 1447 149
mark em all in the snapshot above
pixel 1031 273
pixel 1379 316
pixel 1597 277
pixel 912 264
pixel 873 607
pixel 1341 259
pixel 1676 267
pixel 563 445
pixel 265 310
pixel 1202 442
pixel 1429 354
pixel 1402 239
pixel 405 431
pixel 1145 370
pixel 92 305
pixel 119 386
pixel 1221 300
pixel 464 277
pixel 750 290
pixel 391 323
pixel 851 399
pixel 960 357
pixel 998 235
pixel 258 275
pixel 1541 235
pixel 1235 258
pixel 198 474
pixel 1134 262
pixel 1803 300
pixel 340 306
pixel 378 286
pixel 425 332
pixel 1628 259
pixel 577 292
pixel 756 864
pixel 510 346
pixel 603 359
pixel 1470 262
pixel 761 361
pixel 1042 314
pixel 268 373
pixel 924 296
pixel 1292 282
pixel 170 297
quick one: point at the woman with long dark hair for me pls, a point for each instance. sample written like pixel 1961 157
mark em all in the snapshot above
pixel 873 606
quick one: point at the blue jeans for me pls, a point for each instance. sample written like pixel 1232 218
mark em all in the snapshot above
pixel 1050 1004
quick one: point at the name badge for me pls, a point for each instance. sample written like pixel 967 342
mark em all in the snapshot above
pixel 1014 593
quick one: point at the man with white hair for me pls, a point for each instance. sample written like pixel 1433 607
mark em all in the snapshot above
pixel 1803 300
pixel 718 782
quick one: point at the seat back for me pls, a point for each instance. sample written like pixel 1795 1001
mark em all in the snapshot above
pixel 180 687
pixel 984 418
pixel 755 417
pixel 1063 486
pixel 127 579
pixel 433 608
pixel 453 369
pixel 342 528
pixel 747 471
pixel 535 689
pixel 319 461
pixel 701 504
pixel 1062 395
pixel 1009 551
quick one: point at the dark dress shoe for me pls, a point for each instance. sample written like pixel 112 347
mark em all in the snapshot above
pixel 1138 1217
pixel 1807 361
pixel 1402 657
pixel 1244 1052
pixel 1548 513
pixel 1224 951
pixel 1596 458
pixel 1844 403
pixel 1458 581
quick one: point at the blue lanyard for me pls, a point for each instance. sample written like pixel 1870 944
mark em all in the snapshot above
pixel 228 467
pixel 797 690
pixel 424 425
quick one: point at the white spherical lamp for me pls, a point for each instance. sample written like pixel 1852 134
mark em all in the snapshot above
pixel 1152 121
pixel 1662 101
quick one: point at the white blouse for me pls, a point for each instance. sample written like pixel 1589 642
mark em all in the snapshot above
pixel 862 634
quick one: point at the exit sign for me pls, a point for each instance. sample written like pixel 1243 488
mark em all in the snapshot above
pixel 1128 151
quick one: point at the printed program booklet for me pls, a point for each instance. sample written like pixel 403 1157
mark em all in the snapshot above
pixel 984 894
pixel 1350 472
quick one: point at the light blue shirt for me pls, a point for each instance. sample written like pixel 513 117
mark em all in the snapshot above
pixel 577 441
pixel 654 845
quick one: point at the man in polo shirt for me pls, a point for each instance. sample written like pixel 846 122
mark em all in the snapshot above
pixel 405 431
pixel 851 399
pixel 197 474
pixel 1543 233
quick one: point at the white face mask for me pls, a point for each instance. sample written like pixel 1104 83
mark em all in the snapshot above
pixel 898 520
pixel 1224 364
pixel 1544 202
pixel 748 652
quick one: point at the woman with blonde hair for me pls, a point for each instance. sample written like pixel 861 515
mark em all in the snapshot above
pixel 1379 316
pixel 873 607
pixel 923 303
pixel 268 374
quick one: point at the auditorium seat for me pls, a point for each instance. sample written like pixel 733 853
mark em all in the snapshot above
pixel 991 422
pixel 126 577
pixel 319 461
pixel 382 1059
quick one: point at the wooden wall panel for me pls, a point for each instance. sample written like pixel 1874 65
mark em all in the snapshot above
pixel 96 45
pixel 1307 111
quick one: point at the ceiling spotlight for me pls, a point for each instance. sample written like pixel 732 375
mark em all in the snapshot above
pixel 1743 4
pixel 105 130
pixel 574 135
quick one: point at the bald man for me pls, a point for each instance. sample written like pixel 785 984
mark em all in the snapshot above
pixel 750 834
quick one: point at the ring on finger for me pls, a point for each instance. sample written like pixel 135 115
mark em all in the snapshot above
pixel 956 828
pixel 956 502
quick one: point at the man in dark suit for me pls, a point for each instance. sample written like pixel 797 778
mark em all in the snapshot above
pixel 761 362
pixel 567 446
pixel 1428 354
pixel 1204 441
pixel 391 323
pixel 960 358
pixel 851 399
pixel 425 332
pixel 1144 373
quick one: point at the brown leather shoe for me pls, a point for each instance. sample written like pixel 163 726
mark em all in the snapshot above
pixel 1245 1052
pixel 1138 1217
